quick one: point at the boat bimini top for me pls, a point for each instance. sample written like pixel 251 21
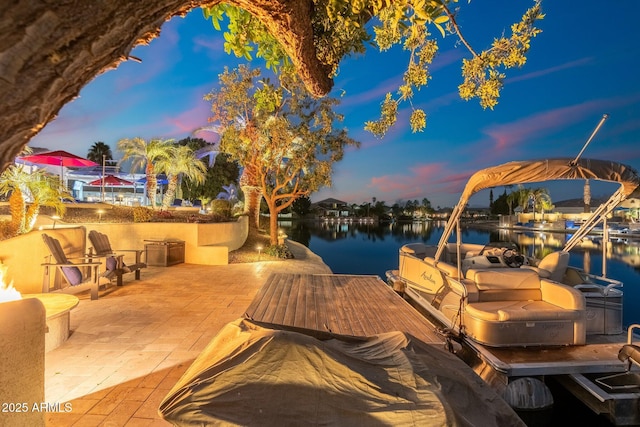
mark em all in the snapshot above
pixel 523 172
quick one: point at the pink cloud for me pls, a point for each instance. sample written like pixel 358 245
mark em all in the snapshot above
pixel 420 180
pixel 376 94
pixel 507 137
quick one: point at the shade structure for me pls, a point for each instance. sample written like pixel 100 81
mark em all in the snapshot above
pixel 110 181
pixel 160 179
pixel 58 158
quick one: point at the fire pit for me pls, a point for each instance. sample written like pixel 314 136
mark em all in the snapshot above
pixel 22 331
pixel 57 307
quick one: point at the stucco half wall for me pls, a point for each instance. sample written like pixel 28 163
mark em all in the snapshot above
pixel 204 244
pixel 207 243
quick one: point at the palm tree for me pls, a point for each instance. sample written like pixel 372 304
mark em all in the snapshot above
pixel 537 195
pixel 99 152
pixel 544 203
pixel 512 199
pixel 144 154
pixel 40 189
pixel 181 161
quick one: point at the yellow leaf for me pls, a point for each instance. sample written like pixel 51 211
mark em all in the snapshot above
pixel 441 19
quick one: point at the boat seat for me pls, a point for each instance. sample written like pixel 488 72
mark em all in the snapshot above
pixel 531 310
pixel 517 307
pixel 448 269
pixel 552 266
pixel 467 250
pixel 503 278
pixel 630 352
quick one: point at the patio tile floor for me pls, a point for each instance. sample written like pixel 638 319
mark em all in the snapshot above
pixel 128 348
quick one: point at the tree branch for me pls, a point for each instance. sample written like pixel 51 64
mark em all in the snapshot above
pixel 455 26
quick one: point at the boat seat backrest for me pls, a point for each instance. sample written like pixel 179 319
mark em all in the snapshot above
pixel 504 279
pixel 416 249
pixel 448 269
pixel 467 250
pixel 555 264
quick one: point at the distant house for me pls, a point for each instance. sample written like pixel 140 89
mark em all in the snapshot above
pixel 331 207
pixel 576 206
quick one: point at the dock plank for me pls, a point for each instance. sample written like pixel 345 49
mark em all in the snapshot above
pixel 351 305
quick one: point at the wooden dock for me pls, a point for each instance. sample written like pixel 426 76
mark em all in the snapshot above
pixel 328 304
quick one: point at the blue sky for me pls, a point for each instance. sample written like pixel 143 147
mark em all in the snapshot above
pixel 583 65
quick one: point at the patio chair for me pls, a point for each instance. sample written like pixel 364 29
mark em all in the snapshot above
pixel 72 272
pixel 177 202
pixel 114 261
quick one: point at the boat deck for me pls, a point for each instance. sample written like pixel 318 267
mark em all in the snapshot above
pixel 327 304
pixel 600 355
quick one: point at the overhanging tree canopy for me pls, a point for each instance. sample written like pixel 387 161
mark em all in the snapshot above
pixel 49 51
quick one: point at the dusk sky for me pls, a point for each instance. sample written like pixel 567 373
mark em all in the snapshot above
pixel 585 63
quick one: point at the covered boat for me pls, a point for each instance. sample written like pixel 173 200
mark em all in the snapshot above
pixel 253 375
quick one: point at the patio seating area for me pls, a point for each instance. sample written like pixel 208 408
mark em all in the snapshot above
pixel 128 348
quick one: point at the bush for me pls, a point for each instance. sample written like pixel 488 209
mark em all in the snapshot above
pixel 121 214
pixel 221 207
pixel 279 251
pixel 142 214
pixel 162 216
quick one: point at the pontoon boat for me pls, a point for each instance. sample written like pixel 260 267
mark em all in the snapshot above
pixel 516 316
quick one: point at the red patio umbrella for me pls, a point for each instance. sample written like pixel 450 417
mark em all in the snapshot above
pixel 58 158
pixel 109 181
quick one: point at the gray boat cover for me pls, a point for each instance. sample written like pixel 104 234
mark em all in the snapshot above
pixel 251 375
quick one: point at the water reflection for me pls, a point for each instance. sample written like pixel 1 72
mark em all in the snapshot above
pixel 366 248
pixel 324 238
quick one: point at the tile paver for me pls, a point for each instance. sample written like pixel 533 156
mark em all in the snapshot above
pixel 128 348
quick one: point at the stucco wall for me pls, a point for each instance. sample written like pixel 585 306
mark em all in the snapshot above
pixel 204 244
pixel 25 254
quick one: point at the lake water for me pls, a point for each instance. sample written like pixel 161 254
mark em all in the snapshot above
pixel 359 248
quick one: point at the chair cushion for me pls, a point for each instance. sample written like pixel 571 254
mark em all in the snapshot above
pixel 519 310
pixel 111 263
pixel 504 278
pixel 72 274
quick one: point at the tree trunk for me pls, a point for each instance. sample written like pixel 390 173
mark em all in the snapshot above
pixel 273 225
pixel 50 50
pixel 17 207
pixel 31 215
pixel 171 192
pixel 152 187
pixel 252 198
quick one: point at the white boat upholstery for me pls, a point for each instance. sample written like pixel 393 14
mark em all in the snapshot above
pixel 552 266
pixel 516 307
pixel 467 250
